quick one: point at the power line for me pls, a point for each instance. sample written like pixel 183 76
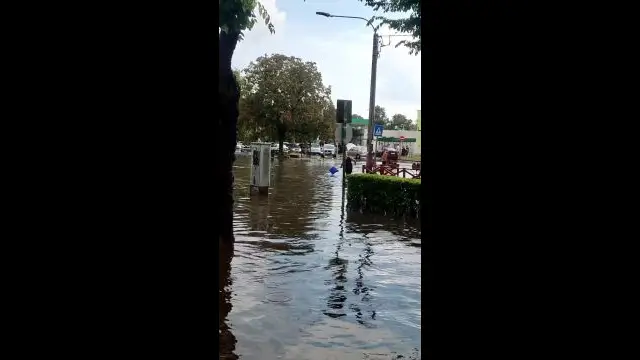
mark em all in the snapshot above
pixel 382 44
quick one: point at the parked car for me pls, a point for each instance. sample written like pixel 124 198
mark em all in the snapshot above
pixel 392 154
pixel 329 150
pixel 315 149
pixel 358 152
pixel 240 147
pixel 275 147
pixel 296 148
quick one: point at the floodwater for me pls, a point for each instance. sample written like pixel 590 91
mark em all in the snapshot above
pixel 309 280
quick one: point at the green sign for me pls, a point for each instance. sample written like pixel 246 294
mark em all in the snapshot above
pixel 358 121
pixel 395 139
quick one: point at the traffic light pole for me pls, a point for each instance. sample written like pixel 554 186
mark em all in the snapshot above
pixel 344 154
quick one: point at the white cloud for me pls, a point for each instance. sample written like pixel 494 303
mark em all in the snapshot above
pixel 344 59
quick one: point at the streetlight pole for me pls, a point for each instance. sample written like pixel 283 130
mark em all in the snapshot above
pixel 372 101
pixel 372 92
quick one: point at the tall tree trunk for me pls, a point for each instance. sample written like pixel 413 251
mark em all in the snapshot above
pixel 229 95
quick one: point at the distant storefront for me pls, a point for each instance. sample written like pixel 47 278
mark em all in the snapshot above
pixel 391 137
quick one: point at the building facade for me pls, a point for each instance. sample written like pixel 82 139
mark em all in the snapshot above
pixel 391 136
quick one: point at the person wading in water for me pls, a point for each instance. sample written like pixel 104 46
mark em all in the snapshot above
pixel 348 165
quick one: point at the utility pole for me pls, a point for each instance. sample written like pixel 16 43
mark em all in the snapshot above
pixel 372 101
pixel 372 94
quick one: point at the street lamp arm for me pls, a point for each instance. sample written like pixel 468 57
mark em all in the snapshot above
pixel 350 17
pixel 369 22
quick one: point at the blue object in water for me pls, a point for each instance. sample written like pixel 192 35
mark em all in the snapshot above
pixel 333 170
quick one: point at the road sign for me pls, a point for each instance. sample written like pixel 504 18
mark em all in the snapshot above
pixel 348 133
pixel 377 130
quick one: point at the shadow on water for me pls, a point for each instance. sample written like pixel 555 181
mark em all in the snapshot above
pixel 309 280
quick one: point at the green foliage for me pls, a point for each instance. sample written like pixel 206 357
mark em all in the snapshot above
pixel 285 97
pixel 236 16
pixel 380 116
pixel 384 194
pixel 409 25
pixel 401 122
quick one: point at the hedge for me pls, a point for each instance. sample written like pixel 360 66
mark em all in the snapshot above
pixel 383 194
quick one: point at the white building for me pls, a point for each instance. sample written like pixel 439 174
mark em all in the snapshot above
pixel 392 137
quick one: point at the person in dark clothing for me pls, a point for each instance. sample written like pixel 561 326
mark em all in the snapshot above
pixel 348 165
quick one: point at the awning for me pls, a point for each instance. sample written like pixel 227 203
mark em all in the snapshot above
pixel 393 139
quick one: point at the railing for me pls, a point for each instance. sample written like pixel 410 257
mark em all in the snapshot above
pixel 393 171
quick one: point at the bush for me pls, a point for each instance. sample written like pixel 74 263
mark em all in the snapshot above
pixel 383 194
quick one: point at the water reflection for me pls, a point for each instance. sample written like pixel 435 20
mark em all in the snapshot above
pixel 338 268
pixel 226 339
pixel 404 230
pixel 312 280
pixel 364 261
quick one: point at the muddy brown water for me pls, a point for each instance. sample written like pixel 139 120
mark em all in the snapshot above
pixel 307 279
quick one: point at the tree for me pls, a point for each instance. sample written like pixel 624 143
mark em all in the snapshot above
pixel 327 125
pixel 235 17
pixel 401 122
pixel 410 25
pixel 286 96
pixel 247 131
pixel 380 116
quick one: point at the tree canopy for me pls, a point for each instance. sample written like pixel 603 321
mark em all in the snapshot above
pixel 236 16
pixel 401 122
pixel 409 25
pixel 285 99
pixel 380 116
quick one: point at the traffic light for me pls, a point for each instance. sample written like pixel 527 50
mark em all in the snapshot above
pixel 343 111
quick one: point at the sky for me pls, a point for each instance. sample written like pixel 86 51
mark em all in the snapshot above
pixel 342 50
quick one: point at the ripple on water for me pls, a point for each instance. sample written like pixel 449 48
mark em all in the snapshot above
pixel 311 282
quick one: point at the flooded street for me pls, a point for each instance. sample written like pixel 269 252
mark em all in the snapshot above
pixel 309 280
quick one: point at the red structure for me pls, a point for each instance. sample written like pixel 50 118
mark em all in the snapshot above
pixel 393 171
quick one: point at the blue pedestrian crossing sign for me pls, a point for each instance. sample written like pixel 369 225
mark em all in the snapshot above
pixel 377 130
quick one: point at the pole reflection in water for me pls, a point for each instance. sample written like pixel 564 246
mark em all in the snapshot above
pixel 259 215
pixel 364 261
pixel 226 339
pixel 338 267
